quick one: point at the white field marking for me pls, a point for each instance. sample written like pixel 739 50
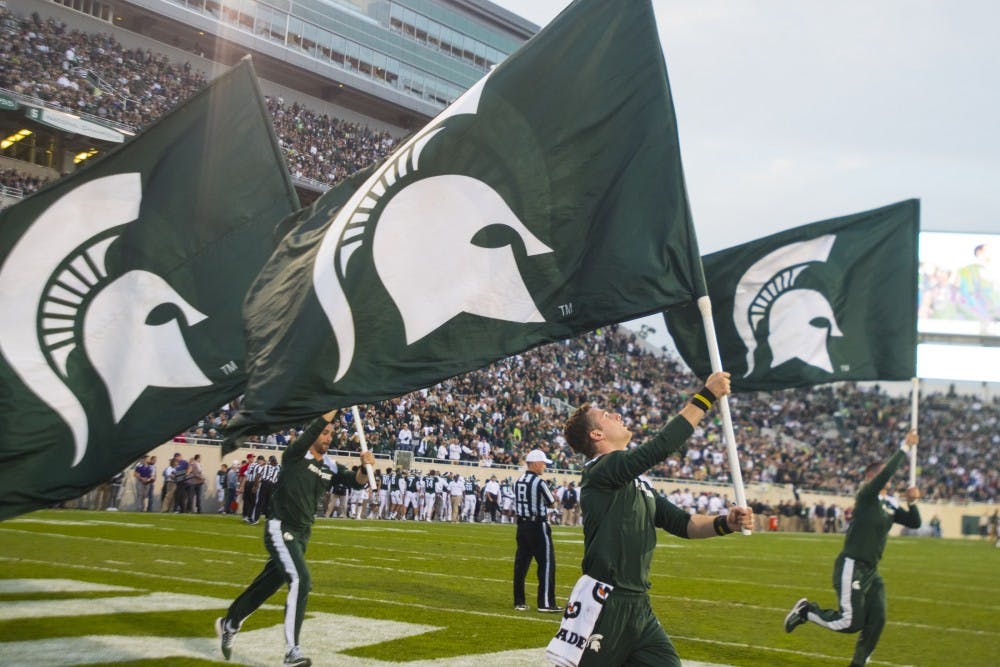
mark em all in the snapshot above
pixel 240 586
pixel 924 626
pixel 85 522
pixel 257 647
pixel 952 603
pixel 365 529
pixel 57 586
pixel 808 654
pixel 455 576
pixel 368 566
pixel 782 610
pixel 466 611
pixel 117 562
pixel 430 607
pixel 653 575
pixel 240 554
pixel 213 560
pixel 51 522
pixel 568 541
pixel 169 562
pixel 127 524
pixel 263 647
pixel 133 604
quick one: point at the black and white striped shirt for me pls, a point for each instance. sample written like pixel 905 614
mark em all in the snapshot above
pixel 269 473
pixel 253 471
pixel 532 497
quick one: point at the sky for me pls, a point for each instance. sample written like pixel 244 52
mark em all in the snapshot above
pixel 794 111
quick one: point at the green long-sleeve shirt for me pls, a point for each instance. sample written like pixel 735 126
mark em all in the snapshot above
pixel 621 512
pixel 303 481
pixel 873 516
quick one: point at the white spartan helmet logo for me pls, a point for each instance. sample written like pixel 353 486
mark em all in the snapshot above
pixel 800 320
pixel 128 354
pixel 433 219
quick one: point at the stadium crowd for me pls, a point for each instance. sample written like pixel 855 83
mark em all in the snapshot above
pixel 94 74
pixel 322 148
pixel 817 439
pixel 16 180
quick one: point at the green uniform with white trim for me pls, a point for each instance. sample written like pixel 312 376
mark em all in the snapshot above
pixel 620 516
pixel 304 479
pixel 859 586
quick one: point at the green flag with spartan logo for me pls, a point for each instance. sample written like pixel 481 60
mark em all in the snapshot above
pixel 829 301
pixel 546 201
pixel 121 288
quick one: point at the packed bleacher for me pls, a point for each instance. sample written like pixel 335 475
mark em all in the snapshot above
pixel 23 184
pixel 817 439
pixel 94 74
pixel 323 148
pixel 90 73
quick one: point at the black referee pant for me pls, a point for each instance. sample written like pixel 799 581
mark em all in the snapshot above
pixel 534 540
pixel 261 501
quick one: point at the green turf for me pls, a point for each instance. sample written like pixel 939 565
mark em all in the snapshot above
pixel 721 600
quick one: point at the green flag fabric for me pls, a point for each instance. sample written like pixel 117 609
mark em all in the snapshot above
pixel 546 201
pixel 121 288
pixel 829 301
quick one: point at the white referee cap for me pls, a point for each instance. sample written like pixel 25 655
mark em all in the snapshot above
pixel 537 455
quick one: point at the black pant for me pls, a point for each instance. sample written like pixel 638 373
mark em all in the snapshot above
pixel 534 540
pixel 261 501
pixel 492 508
pixel 249 498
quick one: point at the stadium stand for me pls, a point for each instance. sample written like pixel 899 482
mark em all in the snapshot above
pixel 19 183
pixel 819 439
pixel 94 75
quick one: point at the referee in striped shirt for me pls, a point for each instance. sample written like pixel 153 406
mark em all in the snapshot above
pixel 267 477
pixel 532 500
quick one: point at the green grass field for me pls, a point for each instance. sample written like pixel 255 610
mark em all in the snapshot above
pixel 434 594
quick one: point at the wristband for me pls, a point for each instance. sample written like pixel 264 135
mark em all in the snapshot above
pixel 721 526
pixel 703 398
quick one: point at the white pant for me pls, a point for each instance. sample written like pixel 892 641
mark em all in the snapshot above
pixel 469 507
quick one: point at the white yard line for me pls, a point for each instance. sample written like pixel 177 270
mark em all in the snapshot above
pixel 8 586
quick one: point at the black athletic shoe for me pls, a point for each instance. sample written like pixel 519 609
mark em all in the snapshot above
pixel 551 610
pixel 226 636
pixel 520 607
pixel 797 616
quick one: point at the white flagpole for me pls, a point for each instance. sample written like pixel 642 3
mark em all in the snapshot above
pixel 914 418
pixel 705 306
pixel 372 482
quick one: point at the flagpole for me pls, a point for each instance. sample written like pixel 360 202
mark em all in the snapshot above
pixel 705 306
pixel 914 418
pixel 364 446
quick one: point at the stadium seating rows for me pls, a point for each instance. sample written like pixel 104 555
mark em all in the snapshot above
pixel 94 74
pixel 818 439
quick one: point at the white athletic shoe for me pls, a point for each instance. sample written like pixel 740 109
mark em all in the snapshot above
pixel 294 658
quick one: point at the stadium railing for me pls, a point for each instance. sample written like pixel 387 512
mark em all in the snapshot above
pixel 37 102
